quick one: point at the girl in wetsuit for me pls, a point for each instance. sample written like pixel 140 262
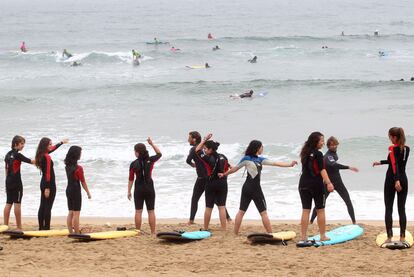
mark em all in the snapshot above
pixel 252 190
pixel 396 180
pixel 144 185
pixel 74 173
pixel 216 188
pixel 47 184
pixel 311 184
pixel 14 185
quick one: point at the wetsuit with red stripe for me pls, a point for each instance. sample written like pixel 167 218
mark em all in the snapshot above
pixel 75 177
pixel 216 188
pixel 144 185
pixel 397 161
pixel 200 184
pixel 47 182
pixel 311 185
pixel 14 185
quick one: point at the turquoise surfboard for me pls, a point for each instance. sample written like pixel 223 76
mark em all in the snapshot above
pixel 183 236
pixel 339 235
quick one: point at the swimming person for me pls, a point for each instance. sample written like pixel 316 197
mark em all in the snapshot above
pixel 247 94
pixel 66 54
pixel 135 54
pixel 207 65
pixel 14 184
pixel 396 180
pixel 333 167
pixel 216 188
pixel 47 184
pixel 23 47
pixel 75 175
pixel 141 170
pixel 254 60
pixel 252 190
pixel 215 48
pixel 195 160
pixel 311 184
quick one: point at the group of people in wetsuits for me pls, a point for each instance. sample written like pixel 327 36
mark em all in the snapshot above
pixel 320 176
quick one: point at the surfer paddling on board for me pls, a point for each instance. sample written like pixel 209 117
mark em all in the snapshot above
pixel 141 171
pixel 216 188
pixel 195 160
pixel 396 180
pixel 207 65
pixel 215 48
pixel 243 95
pixel 252 191
pixel 333 167
pixel 66 54
pixel 312 185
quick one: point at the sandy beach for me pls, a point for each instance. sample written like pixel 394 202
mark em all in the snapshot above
pixel 223 254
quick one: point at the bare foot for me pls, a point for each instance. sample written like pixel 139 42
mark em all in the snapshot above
pixel 190 222
pixel 229 220
pixel 402 239
pixel 325 238
pixel 388 240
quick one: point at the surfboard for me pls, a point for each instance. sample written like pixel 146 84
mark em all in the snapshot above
pixel 395 241
pixel 32 234
pixel 338 235
pixel 3 228
pixel 195 66
pixel 158 43
pixel 183 236
pixel 271 238
pixel 105 235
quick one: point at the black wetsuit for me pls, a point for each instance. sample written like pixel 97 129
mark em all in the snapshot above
pixel 216 188
pixel 14 185
pixel 200 184
pixel 144 185
pixel 252 189
pixel 73 190
pixel 311 183
pixel 47 182
pixel 332 168
pixel 397 161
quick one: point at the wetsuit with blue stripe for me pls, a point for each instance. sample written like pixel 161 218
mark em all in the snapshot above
pixel 251 188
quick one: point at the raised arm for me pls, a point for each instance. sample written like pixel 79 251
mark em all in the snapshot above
pixel 201 144
pixel 64 141
pixel 156 149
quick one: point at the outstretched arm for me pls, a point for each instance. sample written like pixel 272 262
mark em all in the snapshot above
pixel 280 164
pixel 156 149
pixel 201 144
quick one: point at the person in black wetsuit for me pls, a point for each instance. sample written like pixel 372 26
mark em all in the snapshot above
pixel 144 190
pixel 74 173
pixel 47 184
pixel 252 190
pixel 195 160
pixel 311 184
pixel 332 167
pixel 396 180
pixel 216 188
pixel 14 185
pixel 253 60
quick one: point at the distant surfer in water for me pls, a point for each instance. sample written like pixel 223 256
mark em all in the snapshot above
pixel 76 63
pixel 207 65
pixel 254 60
pixel 333 167
pixel 23 47
pixel 210 36
pixel 342 34
pixel 252 190
pixel 244 95
pixel 215 48
pixel 66 54
pixel 376 33
pixel 173 49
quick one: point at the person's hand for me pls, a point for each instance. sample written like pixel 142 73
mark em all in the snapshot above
pixel 330 187
pixel 47 193
pixel 209 136
pixel 293 163
pixel 398 186
pixel 89 195
pixel 149 140
pixel 376 163
pixel 64 141
pixel 354 169
pixel 220 175
pixel 129 196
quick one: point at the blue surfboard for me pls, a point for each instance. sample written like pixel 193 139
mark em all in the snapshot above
pixel 183 236
pixel 339 235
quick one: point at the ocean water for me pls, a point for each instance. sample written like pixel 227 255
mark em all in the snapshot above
pixel 107 105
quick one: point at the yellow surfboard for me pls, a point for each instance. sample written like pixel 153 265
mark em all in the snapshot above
pixel 395 241
pixel 3 228
pixel 31 234
pixel 195 66
pixel 105 235
pixel 272 237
